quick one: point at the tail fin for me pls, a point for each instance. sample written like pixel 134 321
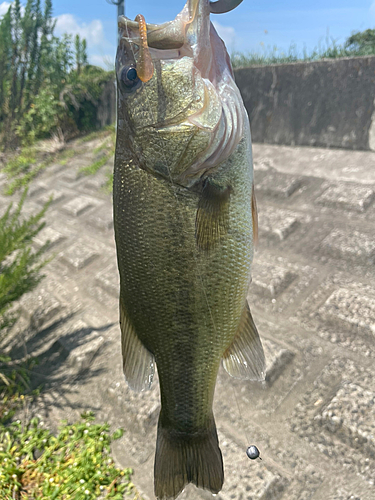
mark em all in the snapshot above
pixel 188 459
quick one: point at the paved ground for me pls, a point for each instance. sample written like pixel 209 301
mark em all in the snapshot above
pixel 312 297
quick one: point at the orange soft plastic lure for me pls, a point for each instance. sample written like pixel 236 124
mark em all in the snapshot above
pixel 145 66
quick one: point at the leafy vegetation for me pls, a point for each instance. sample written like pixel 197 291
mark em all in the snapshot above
pixel 46 85
pixel 73 465
pixel 20 266
pixel 358 44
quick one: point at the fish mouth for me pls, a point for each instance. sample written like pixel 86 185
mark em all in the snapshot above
pixel 172 35
pixel 188 34
pixel 192 34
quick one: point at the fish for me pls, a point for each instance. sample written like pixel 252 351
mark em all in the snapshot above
pixel 185 227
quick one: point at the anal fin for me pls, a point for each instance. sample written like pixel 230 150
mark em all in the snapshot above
pixel 138 362
pixel 244 359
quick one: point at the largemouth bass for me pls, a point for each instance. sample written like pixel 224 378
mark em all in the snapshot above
pixel 185 223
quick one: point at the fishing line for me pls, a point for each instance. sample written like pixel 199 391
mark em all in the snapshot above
pixel 252 451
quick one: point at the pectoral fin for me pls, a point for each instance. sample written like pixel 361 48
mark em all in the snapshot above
pixel 138 362
pixel 244 359
pixel 212 219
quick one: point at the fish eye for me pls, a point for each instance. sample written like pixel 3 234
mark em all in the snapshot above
pixel 129 76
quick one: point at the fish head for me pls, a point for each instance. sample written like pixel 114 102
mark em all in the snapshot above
pixel 180 113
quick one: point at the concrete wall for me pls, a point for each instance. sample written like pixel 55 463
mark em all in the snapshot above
pixel 329 103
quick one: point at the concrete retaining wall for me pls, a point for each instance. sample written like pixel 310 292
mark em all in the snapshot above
pixel 329 103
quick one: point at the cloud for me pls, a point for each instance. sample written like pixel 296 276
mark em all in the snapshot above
pixel 4 8
pixel 93 32
pixel 227 33
pixel 106 61
pixel 97 45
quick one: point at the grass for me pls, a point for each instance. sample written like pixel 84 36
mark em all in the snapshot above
pixel 35 464
pixel 96 134
pixel 73 465
pixel 108 150
pixel 274 55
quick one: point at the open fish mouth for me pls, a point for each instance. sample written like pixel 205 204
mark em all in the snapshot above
pixel 221 112
pixel 187 34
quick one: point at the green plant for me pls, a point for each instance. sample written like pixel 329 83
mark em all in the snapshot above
pixel 20 268
pixel 46 85
pixel 107 148
pixel 358 44
pixel 20 265
pixel 73 465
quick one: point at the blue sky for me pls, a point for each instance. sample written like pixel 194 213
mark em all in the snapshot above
pixel 255 24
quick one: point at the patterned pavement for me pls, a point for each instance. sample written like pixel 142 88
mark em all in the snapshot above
pixel 313 300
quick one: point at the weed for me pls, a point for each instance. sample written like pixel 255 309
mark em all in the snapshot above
pixel 73 465
pixel 274 55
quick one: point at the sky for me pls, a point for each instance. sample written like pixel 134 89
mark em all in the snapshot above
pixel 253 26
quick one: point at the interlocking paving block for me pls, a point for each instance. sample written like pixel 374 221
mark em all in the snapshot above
pixel 263 164
pixel 78 255
pixel 350 308
pixel 244 478
pixel 72 176
pixel 277 222
pixel 36 189
pixel 40 307
pixel 269 280
pixel 78 205
pixel 140 409
pixel 277 358
pixel 336 416
pixel 81 343
pixel 350 416
pixel 356 198
pixel 54 194
pixel 102 220
pixel 55 168
pixel 349 245
pixel 278 184
pixel 48 234
pixel 108 279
